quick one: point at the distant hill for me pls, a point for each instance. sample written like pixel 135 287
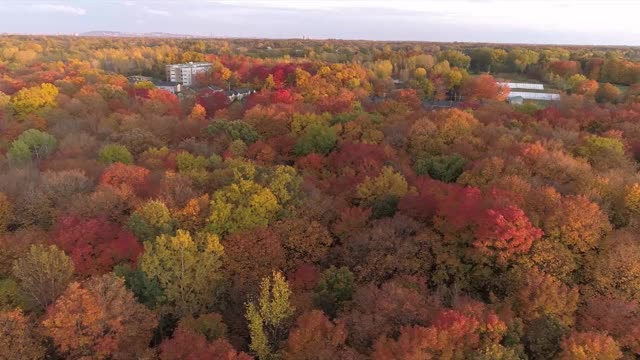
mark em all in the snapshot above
pixel 128 34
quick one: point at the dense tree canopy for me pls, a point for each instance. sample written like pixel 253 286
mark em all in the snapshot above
pixel 364 200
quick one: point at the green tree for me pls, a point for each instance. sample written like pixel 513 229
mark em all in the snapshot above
pixel 43 273
pixel 602 152
pixel 334 289
pixel 32 143
pixel 151 220
pixel 543 336
pixel 608 93
pixel 521 59
pixel 574 81
pixel 113 153
pixel 11 297
pixel 236 130
pixel 384 207
pixel 187 269
pixel 481 59
pixel 300 122
pixel 194 167
pixel 455 58
pixel 146 84
pixel 146 291
pixel 268 318
pixel 388 183
pixel 285 183
pixel 446 168
pixel 244 205
pixel 233 170
pixel 19 152
pixel 320 139
pixel 237 148
pixel 186 162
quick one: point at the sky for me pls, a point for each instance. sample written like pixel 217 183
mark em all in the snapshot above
pixel 606 22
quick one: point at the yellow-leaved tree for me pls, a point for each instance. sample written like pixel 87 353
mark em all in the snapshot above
pixel 269 317
pixel 632 198
pixel 187 269
pixel 285 184
pixel 244 205
pixel 150 220
pixel 388 183
pixel 33 99
pixel 6 212
pixel 43 274
pixel 198 113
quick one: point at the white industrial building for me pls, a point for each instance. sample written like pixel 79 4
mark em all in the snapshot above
pixel 535 96
pixel 517 97
pixel 524 86
pixel 185 73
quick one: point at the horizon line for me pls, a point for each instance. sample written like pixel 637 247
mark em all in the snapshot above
pixel 126 34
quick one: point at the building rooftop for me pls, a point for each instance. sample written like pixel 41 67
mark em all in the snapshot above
pixel 165 83
pixel 138 78
pixel 192 64
pixel 534 96
pixel 526 86
pixel 205 87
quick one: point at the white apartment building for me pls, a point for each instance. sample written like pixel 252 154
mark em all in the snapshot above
pixel 185 73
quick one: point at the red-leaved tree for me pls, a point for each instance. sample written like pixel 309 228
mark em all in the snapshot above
pixel 95 245
pixel 188 345
pixel 504 232
pixel 125 178
pixel 483 87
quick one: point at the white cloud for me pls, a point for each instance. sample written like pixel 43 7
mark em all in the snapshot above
pixel 159 12
pixel 538 15
pixel 59 8
pixel 280 4
pixel 128 3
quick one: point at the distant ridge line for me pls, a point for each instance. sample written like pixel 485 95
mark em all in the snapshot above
pixel 100 33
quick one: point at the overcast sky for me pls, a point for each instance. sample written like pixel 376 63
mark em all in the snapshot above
pixel 520 21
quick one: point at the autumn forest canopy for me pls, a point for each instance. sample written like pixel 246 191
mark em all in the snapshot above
pixel 366 200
